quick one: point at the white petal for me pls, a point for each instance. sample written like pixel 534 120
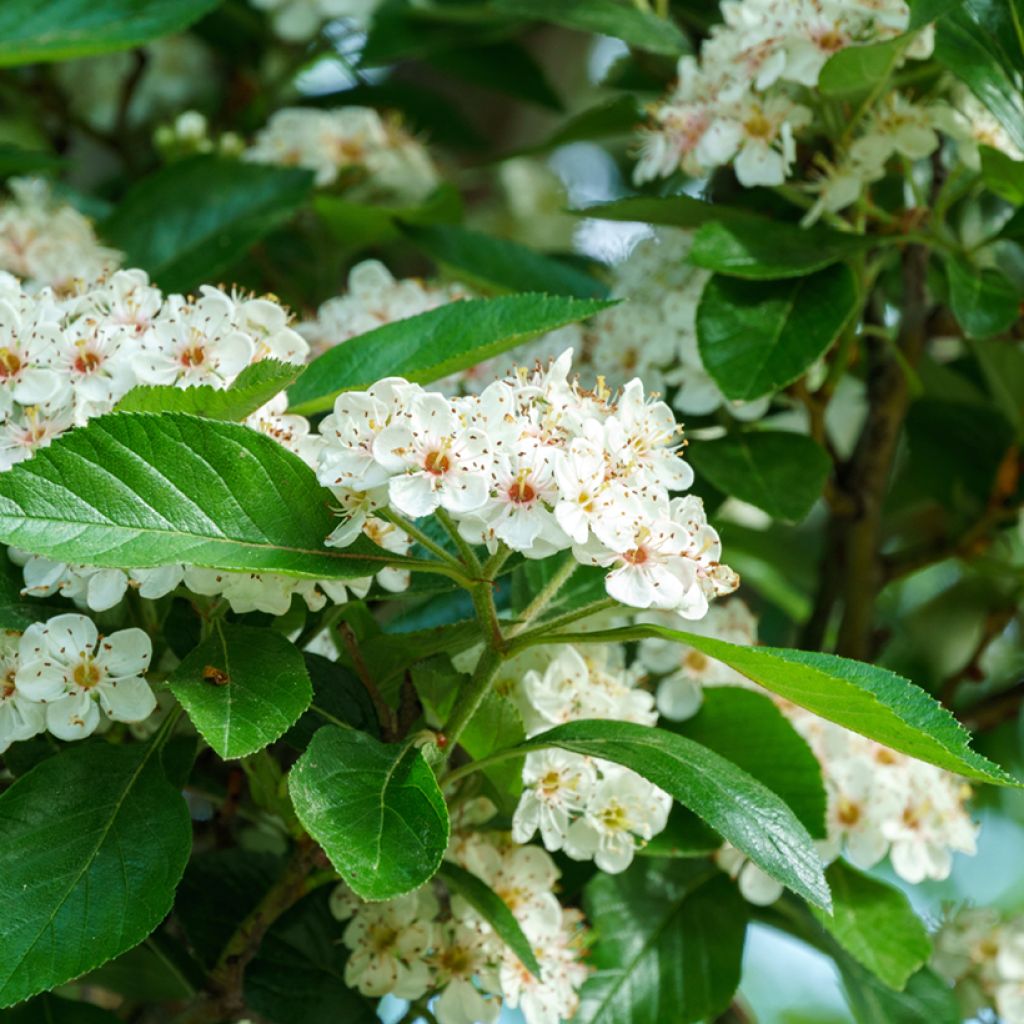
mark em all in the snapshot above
pixel 127 700
pixel 72 718
pixel 125 653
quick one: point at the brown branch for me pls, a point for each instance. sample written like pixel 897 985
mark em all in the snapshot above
pixel 384 713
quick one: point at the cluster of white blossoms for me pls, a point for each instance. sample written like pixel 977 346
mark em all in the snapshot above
pixel 590 808
pixel 297 21
pixel 537 464
pixel 418 944
pixel 64 677
pixel 880 802
pixel 981 953
pixel 48 243
pixel 653 334
pixel 372 155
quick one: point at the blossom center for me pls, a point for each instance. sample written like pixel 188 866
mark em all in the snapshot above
pixel 437 463
pixel 10 364
pixel 614 817
pixel 86 674
pixel 521 492
pixel 88 361
pixel 848 812
pixel 636 556
pixel 382 938
pixel 7 686
pixel 757 126
pixel 194 356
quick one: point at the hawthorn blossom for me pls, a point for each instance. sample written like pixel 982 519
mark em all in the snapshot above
pixel 20 717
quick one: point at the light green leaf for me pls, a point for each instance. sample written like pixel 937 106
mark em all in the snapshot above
pixel 862 68
pixel 642 29
pixel 749 730
pixel 742 809
pixel 192 219
pixel 766 251
pixel 493 909
pixel 375 808
pixel 669 944
pixel 62 29
pixel 926 998
pixel 685 835
pixel 432 345
pixel 144 489
pixel 243 688
pixel 983 299
pixel 487 261
pixel 92 845
pixel 775 470
pixel 617 116
pixel 866 699
pixel 1003 174
pixel 253 387
pixel 875 924
pixel 758 336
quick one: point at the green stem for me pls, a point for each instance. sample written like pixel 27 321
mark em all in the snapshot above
pixel 547 632
pixel 544 598
pixel 421 538
pixel 465 550
pixel 472 697
pixel 490 759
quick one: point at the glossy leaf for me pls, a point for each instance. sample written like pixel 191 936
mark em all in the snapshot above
pixel 1002 174
pixel 338 696
pixel 151 489
pixel 493 909
pixel 875 924
pixel 777 471
pixel 250 390
pixel 754 250
pixel 434 344
pixel 669 944
pixel 499 263
pixel 742 809
pixel 758 336
pixel 924 11
pixel 680 211
pixel 862 68
pixel 62 29
pixel 243 688
pixel 983 299
pixel 66 829
pixel 864 698
pixel 191 220
pixel 375 808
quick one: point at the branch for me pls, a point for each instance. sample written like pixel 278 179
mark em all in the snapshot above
pixel 994 710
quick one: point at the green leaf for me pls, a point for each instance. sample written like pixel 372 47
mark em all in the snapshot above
pixel 775 470
pixel 983 299
pixel 673 211
pixel 497 262
pixel 62 29
pixel 157 969
pixel 507 68
pixel 191 220
pixel 375 808
pixel 749 730
pixel 758 336
pixel 875 924
pixel 969 42
pixel 252 388
pixel 614 117
pixel 92 845
pixel 338 695
pixel 760 251
pixel 642 29
pixel 669 944
pixel 16 160
pixel 431 345
pixel 685 835
pixel 493 909
pixel 866 699
pixel 857 69
pixel 243 688
pixel 298 974
pixel 923 12
pixel 1003 174
pixel 742 809
pixel 50 1009
pixel 144 489
pixel 926 999
pixel 16 610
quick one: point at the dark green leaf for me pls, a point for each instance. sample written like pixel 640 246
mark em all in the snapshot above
pixel 490 906
pixel 506 68
pixel 926 999
pixel 758 336
pixel 875 924
pixel 61 29
pixel 775 470
pixel 762 252
pixel 338 695
pixel 143 489
pixel 252 388
pixel 16 610
pixel 669 944
pixel 643 29
pixel 685 835
pixel 862 68
pixel 922 12
pixel 738 806
pixel 618 116
pixel 15 160
pixel 157 969
pixel 749 730
pixel 191 220
pixel 50 1009
pixel 673 211
pixel 243 688
pixel 1003 174
pixel 375 809
pixel 983 299
pixel 434 344
pixel 66 829
pixel 487 261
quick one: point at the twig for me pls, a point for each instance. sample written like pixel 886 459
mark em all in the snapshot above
pixel 384 713
pixel 995 622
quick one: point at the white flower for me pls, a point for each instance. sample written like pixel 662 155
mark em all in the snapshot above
pixel 755 885
pixel 556 786
pixel 20 717
pixel 67 665
pixel 464 955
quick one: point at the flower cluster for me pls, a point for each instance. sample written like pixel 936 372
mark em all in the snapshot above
pixel 417 944
pixel 736 103
pixel 880 802
pixel 372 155
pixel 540 465
pixel 653 335
pixel 981 953
pixel 63 676
pixel 590 808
